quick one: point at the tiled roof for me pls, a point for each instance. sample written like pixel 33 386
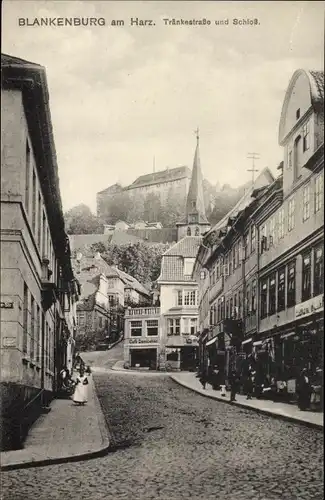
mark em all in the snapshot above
pixel 161 176
pixel 131 282
pixel 186 247
pixel 7 60
pixel 172 266
pixel 317 85
pixel 115 188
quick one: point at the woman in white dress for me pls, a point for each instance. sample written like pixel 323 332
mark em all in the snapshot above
pixel 81 390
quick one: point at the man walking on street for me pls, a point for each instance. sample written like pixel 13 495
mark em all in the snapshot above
pixel 234 383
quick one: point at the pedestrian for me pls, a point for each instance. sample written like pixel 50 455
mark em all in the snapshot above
pixel 303 390
pixel 81 391
pixel 79 362
pixel 250 383
pixel 203 378
pixel 234 383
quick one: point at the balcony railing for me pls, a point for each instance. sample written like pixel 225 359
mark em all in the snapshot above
pixel 216 289
pixel 143 311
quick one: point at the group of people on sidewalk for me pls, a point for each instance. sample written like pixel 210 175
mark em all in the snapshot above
pixel 75 384
pixel 248 383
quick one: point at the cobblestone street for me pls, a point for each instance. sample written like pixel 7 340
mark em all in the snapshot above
pixel 171 443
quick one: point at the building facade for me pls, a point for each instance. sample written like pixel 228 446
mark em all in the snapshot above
pixel 265 265
pixel 37 282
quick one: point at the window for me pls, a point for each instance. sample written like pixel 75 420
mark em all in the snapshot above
pixel 281 223
pixel 193 326
pixel 298 160
pixel 306 276
pixel 319 183
pixel 319 270
pixel 32 328
pixel 111 300
pixel 188 266
pixel 227 309
pixel 44 235
pixel 25 319
pixel 253 238
pixel 306 203
pixel 291 214
pixel 235 311
pixel 254 297
pixel 263 298
pixel 240 304
pixel 263 236
pixel 81 318
pixel 38 332
pixel 272 231
pixel 234 259
pixel 298 114
pixel 291 291
pixel 152 327
pixel 281 289
pixel 39 229
pixel 230 263
pixel 100 322
pixel 272 294
pixel 34 202
pixel 222 308
pixel 248 302
pixel 231 308
pixel 179 297
pixel 189 231
pixel 27 179
pixel 190 298
pixel 306 137
pixel 246 245
pixel 174 326
pixel 197 231
pixel 218 269
pixel 290 159
pixel 136 328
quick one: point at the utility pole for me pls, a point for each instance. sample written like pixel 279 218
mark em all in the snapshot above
pixel 253 157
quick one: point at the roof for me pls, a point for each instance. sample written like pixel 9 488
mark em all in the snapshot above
pixel 131 282
pixel 265 178
pixel 316 79
pixel 153 235
pixel 195 197
pixel 115 188
pixel 81 241
pixel 172 266
pixel 169 174
pixel 7 60
pixel 186 247
pixel 316 88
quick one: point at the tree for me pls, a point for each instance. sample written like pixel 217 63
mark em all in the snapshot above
pixel 118 207
pixel 80 220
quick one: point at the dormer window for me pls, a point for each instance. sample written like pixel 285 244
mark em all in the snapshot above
pixel 188 266
pixel 305 134
pixel 193 204
pixel 298 114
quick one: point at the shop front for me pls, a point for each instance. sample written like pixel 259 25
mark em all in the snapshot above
pixel 182 353
pixel 141 353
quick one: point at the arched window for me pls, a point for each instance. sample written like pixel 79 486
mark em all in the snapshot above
pixel 189 231
pixel 197 231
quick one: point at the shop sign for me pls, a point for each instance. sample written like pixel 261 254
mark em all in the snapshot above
pixel 9 342
pixel 311 306
pixel 143 340
pixel 7 305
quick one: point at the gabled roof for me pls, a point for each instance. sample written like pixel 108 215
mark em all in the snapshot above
pixel 7 60
pixel 131 282
pixel 186 247
pixel 115 188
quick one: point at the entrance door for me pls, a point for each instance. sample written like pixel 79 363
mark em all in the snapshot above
pixel 188 358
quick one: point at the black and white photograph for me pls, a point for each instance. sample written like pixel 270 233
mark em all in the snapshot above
pixel 162 250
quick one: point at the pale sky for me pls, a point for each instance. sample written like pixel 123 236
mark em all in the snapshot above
pixel 121 96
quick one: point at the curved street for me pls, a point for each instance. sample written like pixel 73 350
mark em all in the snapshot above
pixel 171 443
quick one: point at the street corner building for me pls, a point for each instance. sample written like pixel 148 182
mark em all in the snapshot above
pixel 260 270
pixel 38 289
pixel 165 337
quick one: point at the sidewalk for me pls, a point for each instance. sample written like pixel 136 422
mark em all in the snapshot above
pixel 66 433
pixel 278 410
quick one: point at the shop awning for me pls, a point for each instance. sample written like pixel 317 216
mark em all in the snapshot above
pixel 212 341
pixel 258 342
pixel 286 335
pixel 247 341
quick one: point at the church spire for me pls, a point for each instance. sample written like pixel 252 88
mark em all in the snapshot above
pixel 195 208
